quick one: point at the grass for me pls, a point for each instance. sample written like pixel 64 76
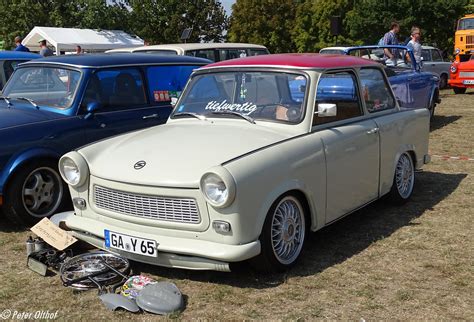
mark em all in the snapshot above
pixel 383 262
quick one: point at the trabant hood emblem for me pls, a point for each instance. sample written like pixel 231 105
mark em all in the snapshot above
pixel 139 165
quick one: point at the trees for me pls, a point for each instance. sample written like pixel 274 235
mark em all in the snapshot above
pixel 154 20
pixel 368 20
pixel 162 21
pixel 265 22
pixel 23 15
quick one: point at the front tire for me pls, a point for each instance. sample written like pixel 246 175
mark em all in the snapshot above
pixel 459 90
pixel 36 191
pixel 403 179
pixel 283 235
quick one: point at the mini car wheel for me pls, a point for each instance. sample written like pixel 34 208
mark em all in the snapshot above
pixel 459 90
pixel 36 191
pixel 283 235
pixel 404 179
pixel 443 81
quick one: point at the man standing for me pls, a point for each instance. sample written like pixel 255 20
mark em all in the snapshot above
pixel 390 38
pixel 45 51
pixel 19 46
pixel 414 44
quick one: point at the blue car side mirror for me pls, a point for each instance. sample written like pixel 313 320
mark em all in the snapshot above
pixel 91 108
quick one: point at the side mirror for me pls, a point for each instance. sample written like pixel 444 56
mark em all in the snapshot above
pixel 326 110
pixel 91 109
pixel 174 100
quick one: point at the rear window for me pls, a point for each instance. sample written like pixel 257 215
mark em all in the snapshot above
pixel 166 82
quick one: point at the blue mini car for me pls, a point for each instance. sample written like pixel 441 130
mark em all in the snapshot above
pixel 413 87
pixel 9 60
pixel 53 105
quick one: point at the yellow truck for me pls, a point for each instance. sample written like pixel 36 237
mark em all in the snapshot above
pixel 464 38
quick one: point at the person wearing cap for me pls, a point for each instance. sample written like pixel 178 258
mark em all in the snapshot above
pixel 45 51
pixel 19 45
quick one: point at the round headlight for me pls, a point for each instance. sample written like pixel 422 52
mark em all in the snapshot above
pixel 218 187
pixel 71 172
pixel 453 69
pixel 73 169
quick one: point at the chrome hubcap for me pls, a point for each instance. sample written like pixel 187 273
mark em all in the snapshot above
pixel 288 230
pixel 404 176
pixel 42 192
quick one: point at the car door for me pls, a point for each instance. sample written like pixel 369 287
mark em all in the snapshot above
pixel 351 146
pixel 123 103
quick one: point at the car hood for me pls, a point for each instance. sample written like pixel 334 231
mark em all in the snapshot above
pixel 176 154
pixel 15 116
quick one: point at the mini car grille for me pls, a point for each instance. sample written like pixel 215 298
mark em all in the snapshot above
pixel 466 74
pixel 179 210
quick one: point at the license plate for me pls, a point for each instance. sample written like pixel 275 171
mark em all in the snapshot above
pixel 131 244
pixel 468 82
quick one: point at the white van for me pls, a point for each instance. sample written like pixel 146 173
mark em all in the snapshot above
pixel 212 51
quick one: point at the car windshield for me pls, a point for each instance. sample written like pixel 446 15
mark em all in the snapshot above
pixel 252 95
pixel 465 24
pixel 401 60
pixel 45 86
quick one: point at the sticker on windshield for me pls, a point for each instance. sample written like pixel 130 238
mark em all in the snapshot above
pixel 246 108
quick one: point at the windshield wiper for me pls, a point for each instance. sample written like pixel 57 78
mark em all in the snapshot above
pixel 198 116
pixel 245 117
pixel 7 100
pixel 28 100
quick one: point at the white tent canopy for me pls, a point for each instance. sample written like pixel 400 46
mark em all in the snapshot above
pixel 66 39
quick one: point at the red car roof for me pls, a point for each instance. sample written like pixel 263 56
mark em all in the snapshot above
pixel 296 60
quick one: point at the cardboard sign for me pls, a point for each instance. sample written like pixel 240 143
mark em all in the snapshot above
pixel 52 234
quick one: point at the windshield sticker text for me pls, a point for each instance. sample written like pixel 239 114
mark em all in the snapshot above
pixel 246 108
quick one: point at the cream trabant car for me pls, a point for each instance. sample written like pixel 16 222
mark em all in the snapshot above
pixel 258 152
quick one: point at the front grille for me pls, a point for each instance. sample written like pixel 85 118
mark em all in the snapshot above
pixel 466 74
pixel 180 210
pixel 469 41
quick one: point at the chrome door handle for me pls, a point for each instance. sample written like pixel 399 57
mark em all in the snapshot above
pixel 373 131
pixel 152 116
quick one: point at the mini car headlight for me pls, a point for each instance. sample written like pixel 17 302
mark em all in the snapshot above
pixel 218 187
pixel 453 69
pixel 457 51
pixel 73 169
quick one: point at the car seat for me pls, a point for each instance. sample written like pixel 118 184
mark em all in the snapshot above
pixel 126 91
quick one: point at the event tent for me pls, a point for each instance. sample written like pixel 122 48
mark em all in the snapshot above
pixel 91 40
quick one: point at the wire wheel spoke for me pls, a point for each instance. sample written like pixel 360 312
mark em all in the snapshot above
pixel 287 230
pixel 404 176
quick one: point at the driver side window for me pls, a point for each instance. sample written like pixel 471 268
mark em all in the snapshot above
pixel 338 88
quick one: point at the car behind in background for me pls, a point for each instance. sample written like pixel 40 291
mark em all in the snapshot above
pixel 9 60
pixel 55 104
pixel 462 75
pixel 212 51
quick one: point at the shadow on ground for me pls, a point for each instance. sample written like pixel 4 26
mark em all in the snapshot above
pixel 440 121
pixel 335 243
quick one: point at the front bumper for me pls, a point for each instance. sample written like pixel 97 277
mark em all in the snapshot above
pixel 459 83
pixel 172 251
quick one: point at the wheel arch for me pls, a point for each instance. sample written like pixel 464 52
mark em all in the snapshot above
pixel 311 214
pixel 22 159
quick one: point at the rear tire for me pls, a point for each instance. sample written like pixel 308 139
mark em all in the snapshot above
pixel 403 179
pixel 282 236
pixel 36 191
pixel 459 90
pixel 443 81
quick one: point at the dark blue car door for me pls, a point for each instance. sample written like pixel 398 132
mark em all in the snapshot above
pixel 124 103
